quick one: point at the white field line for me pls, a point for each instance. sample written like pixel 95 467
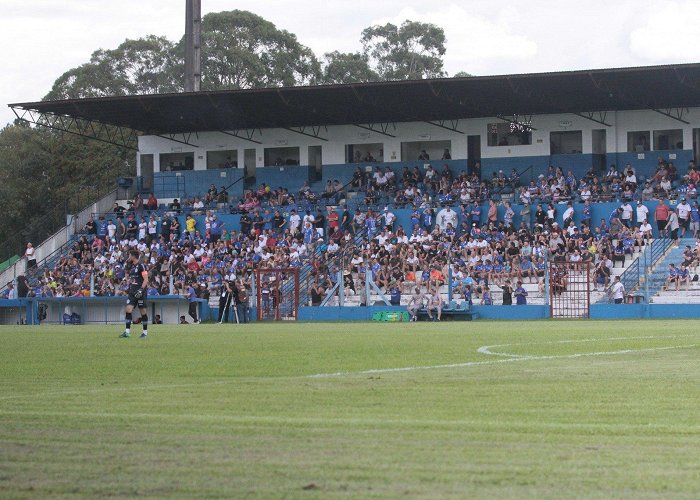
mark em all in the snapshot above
pixel 486 349
pixel 506 358
pixel 509 358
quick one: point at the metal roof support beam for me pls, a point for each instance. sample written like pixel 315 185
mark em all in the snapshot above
pixel 249 133
pixel 90 129
pixel 595 116
pixel 525 123
pixel 314 131
pixel 447 125
pixel 675 113
pixel 185 138
pixel 380 128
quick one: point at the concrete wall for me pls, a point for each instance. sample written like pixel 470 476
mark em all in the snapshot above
pixel 95 310
pixel 337 137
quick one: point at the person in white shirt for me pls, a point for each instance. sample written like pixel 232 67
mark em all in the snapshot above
pixel 446 216
pixel 683 210
pixel 152 228
pixel 626 216
pixel 30 254
pixel 389 219
pixel 111 229
pixel 642 213
pixel 618 291
pixel 294 222
pixel 646 230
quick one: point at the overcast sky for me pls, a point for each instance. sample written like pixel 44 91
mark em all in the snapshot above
pixel 44 38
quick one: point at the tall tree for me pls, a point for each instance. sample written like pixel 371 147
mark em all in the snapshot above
pixel 411 51
pixel 347 67
pixel 242 50
pixel 44 175
pixel 145 66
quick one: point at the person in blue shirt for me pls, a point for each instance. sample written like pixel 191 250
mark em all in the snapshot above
pixel 520 294
pixel 468 295
pixel 614 217
pixel 192 301
pixel 428 218
pixel 486 299
pixel 395 293
pixel 683 277
pixel 672 276
pixel 476 214
pixel 695 220
pixel 102 228
pixel 586 217
pixel 308 233
pixel 415 217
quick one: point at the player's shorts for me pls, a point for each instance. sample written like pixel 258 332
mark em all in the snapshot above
pixel 133 301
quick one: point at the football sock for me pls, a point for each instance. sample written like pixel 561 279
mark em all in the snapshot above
pixel 144 322
pixel 128 322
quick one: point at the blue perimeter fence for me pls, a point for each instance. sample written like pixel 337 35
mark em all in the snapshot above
pixel 110 310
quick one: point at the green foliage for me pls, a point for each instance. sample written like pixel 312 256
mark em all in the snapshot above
pixel 45 175
pixel 347 68
pixel 242 50
pixel 145 66
pixel 411 51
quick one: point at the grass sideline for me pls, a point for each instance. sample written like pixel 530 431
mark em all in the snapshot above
pixel 223 410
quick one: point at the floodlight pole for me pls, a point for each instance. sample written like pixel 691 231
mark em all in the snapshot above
pixel 193 37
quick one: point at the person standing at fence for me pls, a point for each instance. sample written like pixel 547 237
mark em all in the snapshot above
pixel 520 294
pixel 673 225
pixel 618 291
pixel 241 297
pixel 138 284
pixel 192 301
pixel 661 215
pixel 30 254
pixel 225 301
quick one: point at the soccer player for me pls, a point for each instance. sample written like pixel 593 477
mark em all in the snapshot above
pixel 138 284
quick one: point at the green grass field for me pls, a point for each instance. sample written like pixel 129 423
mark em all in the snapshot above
pixel 558 409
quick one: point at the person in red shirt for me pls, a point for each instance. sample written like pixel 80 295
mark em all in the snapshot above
pixel 661 216
pixel 152 203
pixel 333 219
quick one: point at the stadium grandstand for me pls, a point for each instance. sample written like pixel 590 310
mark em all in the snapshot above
pixel 568 193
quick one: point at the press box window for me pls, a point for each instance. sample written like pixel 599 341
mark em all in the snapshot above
pixel 566 143
pixel 509 134
pixel 638 142
pixel 668 139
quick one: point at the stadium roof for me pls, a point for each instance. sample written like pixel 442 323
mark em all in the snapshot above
pixel 661 88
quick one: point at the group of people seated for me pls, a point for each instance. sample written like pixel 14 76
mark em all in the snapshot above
pixel 278 229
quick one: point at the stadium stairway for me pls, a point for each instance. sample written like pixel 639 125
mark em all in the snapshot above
pixel 658 276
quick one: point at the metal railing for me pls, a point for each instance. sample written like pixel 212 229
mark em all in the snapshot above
pixel 653 252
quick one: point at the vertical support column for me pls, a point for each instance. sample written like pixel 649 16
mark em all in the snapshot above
pixel 341 288
pixel 193 35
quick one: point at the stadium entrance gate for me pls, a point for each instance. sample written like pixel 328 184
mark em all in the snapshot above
pixel 569 289
pixel 277 294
